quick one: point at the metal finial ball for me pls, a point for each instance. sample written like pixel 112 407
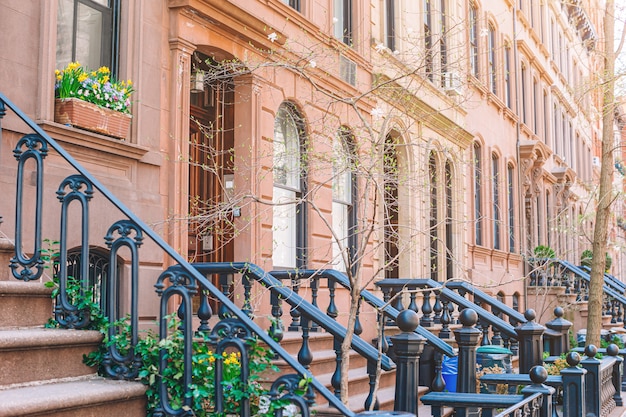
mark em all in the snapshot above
pixel 538 374
pixel 530 314
pixel 407 320
pixel 468 317
pixel 559 312
pixel 612 349
pixel 572 359
pixel 591 351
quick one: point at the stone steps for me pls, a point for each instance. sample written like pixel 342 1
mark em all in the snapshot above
pixel 42 371
pixel 88 397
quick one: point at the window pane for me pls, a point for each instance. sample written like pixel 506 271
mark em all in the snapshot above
pixel 89 37
pixel 286 150
pixel 105 3
pixel 65 17
pixel 340 228
pixel 284 225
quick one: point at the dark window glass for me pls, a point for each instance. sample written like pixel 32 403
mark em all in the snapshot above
pixel 87 32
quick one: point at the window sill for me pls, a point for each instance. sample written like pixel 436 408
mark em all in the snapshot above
pixel 85 139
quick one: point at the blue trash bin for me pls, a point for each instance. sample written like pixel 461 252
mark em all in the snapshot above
pixel 449 371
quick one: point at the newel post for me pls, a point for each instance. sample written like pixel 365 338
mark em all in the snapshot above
pixel 530 336
pixel 467 339
pixel 613 350
pixel 560 325
pixel 539 375
pixel 593 385
pixel 573 387
pixel 408 347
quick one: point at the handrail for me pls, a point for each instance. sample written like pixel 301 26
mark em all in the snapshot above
pixel 369 298
pixel 486 298
pixel 609 279
pixel 576 270
pixel 448 294
pixel 179 259
pixel 288 295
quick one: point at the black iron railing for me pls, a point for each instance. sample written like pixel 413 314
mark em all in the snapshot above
pixel 575 280
pixel 129 234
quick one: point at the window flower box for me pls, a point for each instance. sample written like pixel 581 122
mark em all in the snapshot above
pixel 84 115
pixel 92 100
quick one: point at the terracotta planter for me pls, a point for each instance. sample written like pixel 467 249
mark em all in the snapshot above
pixel 88 116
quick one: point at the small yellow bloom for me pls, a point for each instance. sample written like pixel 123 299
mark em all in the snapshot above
pixel 129 82
pixel 105 79
pixel 57 72
pixel 104 70
pixel 82 77
pixel 59 77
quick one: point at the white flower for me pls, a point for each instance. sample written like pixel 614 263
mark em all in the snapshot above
pixel 377 113
pixel 313 64
pixel 380 47
pixel 272 36
pixel 396 52
pixel 290 411
pixel 264 404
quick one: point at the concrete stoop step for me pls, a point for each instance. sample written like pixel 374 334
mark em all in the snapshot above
pixel 24 304
pixel 86 397
pixel 42 371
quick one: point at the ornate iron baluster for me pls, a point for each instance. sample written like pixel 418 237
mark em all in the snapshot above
pixel 295 314
pixel 204 313
pixel 427 310
pixel 439 384
pixel 23 267
pixel 358 328
pixel 225 283
pixel 276 329
pixel 66 312
pixel 231 333
pixel 286 388
pixel 445 321
pixel 386 297
pixel 331 311
pixel 116 363
pixel 247 286
pixel 314 291
pixel 305 357
pixel 437 308
pixel 335 380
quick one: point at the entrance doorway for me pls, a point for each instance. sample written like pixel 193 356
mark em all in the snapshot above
pixel 211 170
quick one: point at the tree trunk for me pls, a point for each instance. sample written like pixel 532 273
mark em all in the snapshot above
pixel 605 195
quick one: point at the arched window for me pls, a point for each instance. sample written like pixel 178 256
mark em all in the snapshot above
pixel 515 302
pixel 473 38
pixel 507 76
pixel 495 163
pixel 500 297
pixel 434 217
pixel 492 59
pixel 391 209
pixel 510 177
pixel 478 210
pixel 344 201
pixel 289 214
pixel 449 219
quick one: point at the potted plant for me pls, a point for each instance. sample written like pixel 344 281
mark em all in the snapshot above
pixel 92 100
